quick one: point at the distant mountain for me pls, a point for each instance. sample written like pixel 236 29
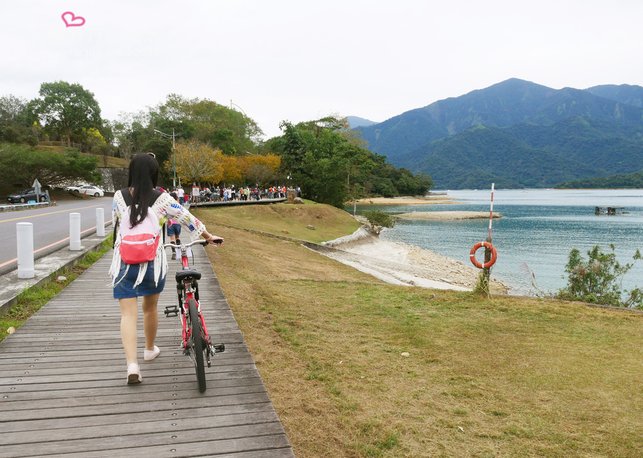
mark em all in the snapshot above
pixel 629 181
pixel 518 134
pixel 356 121
pixel 528 155
pixel 624 93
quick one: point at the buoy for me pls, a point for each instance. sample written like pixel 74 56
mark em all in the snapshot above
pixel 486 265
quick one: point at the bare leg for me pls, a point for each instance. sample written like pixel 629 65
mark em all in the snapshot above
pixel 129 316
pixel 150 319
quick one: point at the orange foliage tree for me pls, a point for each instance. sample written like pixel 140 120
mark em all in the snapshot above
pixel 197 162
pixel 258 169
pixel 231 170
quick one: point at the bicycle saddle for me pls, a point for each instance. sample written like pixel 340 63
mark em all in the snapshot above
pixel 187 274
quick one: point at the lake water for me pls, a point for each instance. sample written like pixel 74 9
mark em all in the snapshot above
pixel 537 231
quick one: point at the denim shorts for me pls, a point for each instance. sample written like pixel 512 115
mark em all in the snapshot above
pixel 174 229
pixel 125 286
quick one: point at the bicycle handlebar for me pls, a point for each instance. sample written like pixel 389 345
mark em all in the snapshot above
pixel 194 242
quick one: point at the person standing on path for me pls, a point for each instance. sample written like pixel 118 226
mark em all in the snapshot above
pixel 181 193
pixel 145 279
pixel 174 228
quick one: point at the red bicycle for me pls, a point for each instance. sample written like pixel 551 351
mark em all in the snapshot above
pixel 196 341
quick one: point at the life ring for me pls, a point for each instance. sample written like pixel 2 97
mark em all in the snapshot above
pixel 486 265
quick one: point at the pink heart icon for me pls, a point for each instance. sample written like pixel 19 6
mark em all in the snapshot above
pixel 71 20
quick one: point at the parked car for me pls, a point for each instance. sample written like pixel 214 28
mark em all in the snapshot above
pixel 73 188
pixel 25 196
pixel 91 190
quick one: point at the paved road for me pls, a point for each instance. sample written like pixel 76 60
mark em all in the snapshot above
pixel 50 226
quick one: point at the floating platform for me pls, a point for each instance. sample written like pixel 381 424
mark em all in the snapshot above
pixel 610 211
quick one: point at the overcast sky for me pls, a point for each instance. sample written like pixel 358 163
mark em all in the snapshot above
pixel 300 60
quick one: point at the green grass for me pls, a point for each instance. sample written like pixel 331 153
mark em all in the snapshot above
pixel 309 221
pixel 499 376
pixel 32 299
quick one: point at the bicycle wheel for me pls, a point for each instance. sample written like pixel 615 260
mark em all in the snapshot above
pixel 197 344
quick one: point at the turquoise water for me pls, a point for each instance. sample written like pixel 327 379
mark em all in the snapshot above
pixel 537 231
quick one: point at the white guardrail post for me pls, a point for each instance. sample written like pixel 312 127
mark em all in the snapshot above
pixel 100 222
pixel 74 232
pixel 24 236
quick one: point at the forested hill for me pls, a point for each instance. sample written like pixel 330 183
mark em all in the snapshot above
pixel 624 93
pixel 629 181
pixel 356 121
pixel 518 134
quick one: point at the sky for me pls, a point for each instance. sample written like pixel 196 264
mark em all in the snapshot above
pixel 299 60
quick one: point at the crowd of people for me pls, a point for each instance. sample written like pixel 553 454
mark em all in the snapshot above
pixel 231 193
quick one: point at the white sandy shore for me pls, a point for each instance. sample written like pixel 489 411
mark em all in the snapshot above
pixel 403 264
pixel 446 215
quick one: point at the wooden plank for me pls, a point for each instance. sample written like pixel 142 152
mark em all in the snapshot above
pixel 188 435
pixel 125 428
pixel 131 419
pixel 263 445
pixel 220 388
pixel 212 379
pixel 132 397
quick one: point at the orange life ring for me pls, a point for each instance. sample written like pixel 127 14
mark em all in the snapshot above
pixel 486 265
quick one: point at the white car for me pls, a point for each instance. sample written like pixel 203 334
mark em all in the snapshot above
pixel 91 190
pixel 72 188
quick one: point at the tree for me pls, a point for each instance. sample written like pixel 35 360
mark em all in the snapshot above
pixel 259 169
pixel 20 165
pixel 231 169
pixel 598 280
pixel 379 220
pixel 65 110
pixel 197 162
pixel 208 122
pixel 15 126
pixel 331 164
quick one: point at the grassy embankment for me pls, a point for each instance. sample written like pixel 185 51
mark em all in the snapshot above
pixel 483 377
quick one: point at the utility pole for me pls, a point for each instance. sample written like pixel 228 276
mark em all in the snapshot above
pixel 173 136
pixel 173 159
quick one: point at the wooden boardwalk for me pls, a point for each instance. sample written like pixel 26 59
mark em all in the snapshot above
pixel 63 390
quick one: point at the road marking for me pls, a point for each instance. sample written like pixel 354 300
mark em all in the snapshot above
pixel 47 214
pixel 49 246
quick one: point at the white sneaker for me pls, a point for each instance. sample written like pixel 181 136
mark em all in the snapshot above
pixel 149 355
pixel 133 374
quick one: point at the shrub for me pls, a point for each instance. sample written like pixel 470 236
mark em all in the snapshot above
pixel 379 220
pixel 598 280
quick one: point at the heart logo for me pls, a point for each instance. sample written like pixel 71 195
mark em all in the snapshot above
pixel 71 20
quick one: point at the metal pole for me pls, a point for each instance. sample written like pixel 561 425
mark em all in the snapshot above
pixel 74 232
pixel 100 222
pixel 491 211
pixel 486 273
pixel 24 236
pixel 173 159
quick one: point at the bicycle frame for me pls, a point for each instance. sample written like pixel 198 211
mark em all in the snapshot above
pixel 187 290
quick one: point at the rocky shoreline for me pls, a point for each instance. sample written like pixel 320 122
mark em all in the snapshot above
pixel 403 264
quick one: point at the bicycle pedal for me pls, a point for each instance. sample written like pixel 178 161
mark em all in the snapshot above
pixel 219 348
pixel 171 311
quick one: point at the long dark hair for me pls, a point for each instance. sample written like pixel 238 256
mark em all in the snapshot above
pixel 143 177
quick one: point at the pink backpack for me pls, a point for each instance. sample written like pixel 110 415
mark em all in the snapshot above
pixel 139 243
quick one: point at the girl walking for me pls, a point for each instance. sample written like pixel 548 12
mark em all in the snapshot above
pixel 130 208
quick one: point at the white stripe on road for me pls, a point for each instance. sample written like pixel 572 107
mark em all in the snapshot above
pixel 47 214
